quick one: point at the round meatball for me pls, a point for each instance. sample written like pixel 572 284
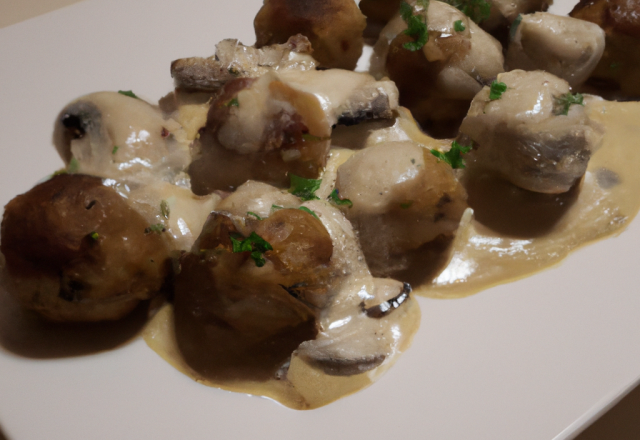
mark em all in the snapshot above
pixel 76 251
pixel 415 200
pixel 334 28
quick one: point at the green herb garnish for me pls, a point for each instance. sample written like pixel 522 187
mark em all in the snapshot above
pixel 157 228
pixel 563 102
pixel 94 236
pixel 459 26
pixel 454 156
pixel 115 149
pixel 496 90
pixel 514 26
pixel 254 244
pixel 232 103
pixel 276 207
pixel 308 211
pixel 255 215
pixel 128 93
pixel 60 171
pixel 406 205
pixel 477 10
pixel 416 25
pixel 73 166
pixel 304 188
pixel 165 209
pixel 335 198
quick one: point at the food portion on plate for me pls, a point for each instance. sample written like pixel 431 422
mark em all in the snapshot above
pixel 286 210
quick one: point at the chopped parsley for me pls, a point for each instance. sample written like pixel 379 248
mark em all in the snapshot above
pixel 304 188
pixel 255 215
pixel 232 103
pixel 165 209
pixel 115 149
pixel 73 166
pixel 233 71
pixel 94 236
pixel 454 156
pixel 416 25
pixel 335 198
pixel 477 10
pixel 459 26
pixel 563 102
pixel 496 90
pixel 406 205
pixel 60 171
pixel 128 93
pixel 308 211
pixel 157 228
pixel 254 244
pixel 311 138
pixel 276 207
pixel 514 26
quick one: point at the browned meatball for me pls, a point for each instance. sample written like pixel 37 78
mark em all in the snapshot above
pixel 259 129
pixel 244 313
pixel 76 251
pixel 334 28
pixel 619 67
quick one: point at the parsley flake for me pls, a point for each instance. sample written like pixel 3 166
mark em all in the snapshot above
pixel 255 215
pixel 304 188
pixel 563 102
pixel 496 90
pixel 406 205
pixel 165 209
pixel 128 93
pixel 416 25
pixel 514 26
pixel 477 10
pixel 454 156
pixel 459 26
pixel 73 166
pixel 254 244
pixel 94 236
pixel 276 207
pixel 308 211
pixel 157 228
pixel 335 198
pixel 115 149
pixel 232 103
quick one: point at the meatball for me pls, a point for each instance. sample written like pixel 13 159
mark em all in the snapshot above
pixel 438 82
pixel 536 134
pixel 334 28
pixel 619 68
pixel 76 251
pixel 414 201
pixel 567 47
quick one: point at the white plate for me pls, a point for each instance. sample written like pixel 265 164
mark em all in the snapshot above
pixel 532 359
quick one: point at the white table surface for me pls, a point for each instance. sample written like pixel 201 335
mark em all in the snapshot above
pixel 535 359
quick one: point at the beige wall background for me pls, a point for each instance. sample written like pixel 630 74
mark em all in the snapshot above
pixel 622 422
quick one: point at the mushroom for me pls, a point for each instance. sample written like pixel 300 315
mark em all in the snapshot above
pixel 75 251
pixel 438 81
pixel 566 47
pixel 334 28
pixel 112 135
pixel 415 200
pixel 235 60
pixel 536 134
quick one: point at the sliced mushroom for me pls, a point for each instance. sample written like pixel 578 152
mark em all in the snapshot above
pixel 75 251
pixel 438 82
pixel 536 134
pixel 108 134
pixel 334 28
pixel 235 60
pixel 566 47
